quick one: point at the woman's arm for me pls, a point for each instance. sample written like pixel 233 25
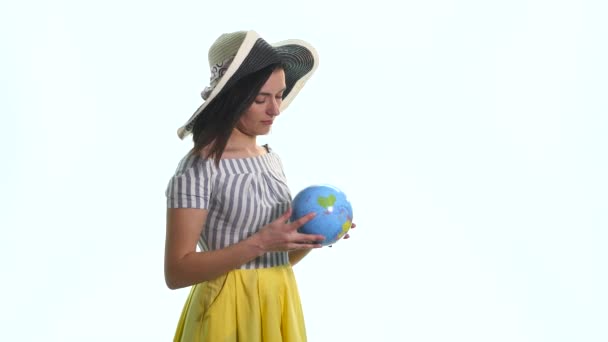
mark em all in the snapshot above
pixel 297 255
pixel 184 266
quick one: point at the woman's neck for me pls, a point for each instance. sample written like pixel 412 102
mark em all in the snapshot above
pixel 241 145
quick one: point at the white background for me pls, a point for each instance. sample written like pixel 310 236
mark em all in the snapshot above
pixel 470 137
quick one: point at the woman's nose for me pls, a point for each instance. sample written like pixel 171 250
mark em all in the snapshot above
pixel 274 108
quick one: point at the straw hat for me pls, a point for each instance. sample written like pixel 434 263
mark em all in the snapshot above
pixel 234 55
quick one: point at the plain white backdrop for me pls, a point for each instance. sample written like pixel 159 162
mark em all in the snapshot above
pixel 470 137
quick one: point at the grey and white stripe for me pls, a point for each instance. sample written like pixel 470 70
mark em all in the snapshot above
pixel 241 196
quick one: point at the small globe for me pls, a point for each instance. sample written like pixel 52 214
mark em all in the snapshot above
pixel 334 212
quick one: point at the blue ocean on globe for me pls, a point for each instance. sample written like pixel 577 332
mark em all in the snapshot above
pixel 334 212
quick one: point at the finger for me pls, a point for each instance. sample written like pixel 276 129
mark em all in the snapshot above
pixel 346 236
pixel 353 226
pixel 307 238
pixel 293 246
pixel 302 220
pixel 310 238
pixel 285 217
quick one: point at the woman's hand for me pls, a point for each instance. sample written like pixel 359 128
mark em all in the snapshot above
pixel 346 236
pixel 282 235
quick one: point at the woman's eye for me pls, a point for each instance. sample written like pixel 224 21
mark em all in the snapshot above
pixel 259 101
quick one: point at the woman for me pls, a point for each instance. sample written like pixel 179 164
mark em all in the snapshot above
pixel 230 197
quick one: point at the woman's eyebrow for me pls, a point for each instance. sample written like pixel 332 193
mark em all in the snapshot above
pixel 269 94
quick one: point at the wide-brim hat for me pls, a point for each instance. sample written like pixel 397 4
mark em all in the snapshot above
pixel 237 54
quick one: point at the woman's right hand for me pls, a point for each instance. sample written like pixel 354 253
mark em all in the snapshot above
pixel 282 235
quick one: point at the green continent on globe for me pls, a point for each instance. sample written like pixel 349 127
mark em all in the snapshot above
pixel 345 228
pixel 326 202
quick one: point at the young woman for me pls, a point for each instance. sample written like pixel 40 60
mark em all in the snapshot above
pixel 229 196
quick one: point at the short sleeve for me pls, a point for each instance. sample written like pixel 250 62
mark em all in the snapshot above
pixel 191 186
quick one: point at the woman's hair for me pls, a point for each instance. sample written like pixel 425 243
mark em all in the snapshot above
pixel 215 124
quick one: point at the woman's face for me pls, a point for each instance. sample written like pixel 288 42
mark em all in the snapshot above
pixel 258 118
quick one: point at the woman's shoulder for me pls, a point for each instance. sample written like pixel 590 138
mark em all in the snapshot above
pixel 192 161
pixel 197 163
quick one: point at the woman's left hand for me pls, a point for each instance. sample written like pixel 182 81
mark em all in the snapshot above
pixel 346 236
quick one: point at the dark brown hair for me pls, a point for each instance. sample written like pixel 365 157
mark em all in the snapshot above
pixel 215 124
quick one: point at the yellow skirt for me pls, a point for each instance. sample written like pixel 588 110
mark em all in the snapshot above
pixel 244 305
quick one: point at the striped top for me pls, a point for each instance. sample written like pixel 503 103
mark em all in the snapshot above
pixel 241 196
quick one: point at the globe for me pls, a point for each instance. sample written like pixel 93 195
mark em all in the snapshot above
pixel 334 214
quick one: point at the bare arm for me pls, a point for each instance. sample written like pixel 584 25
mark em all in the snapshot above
pixel 184 266
pixel 297 255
